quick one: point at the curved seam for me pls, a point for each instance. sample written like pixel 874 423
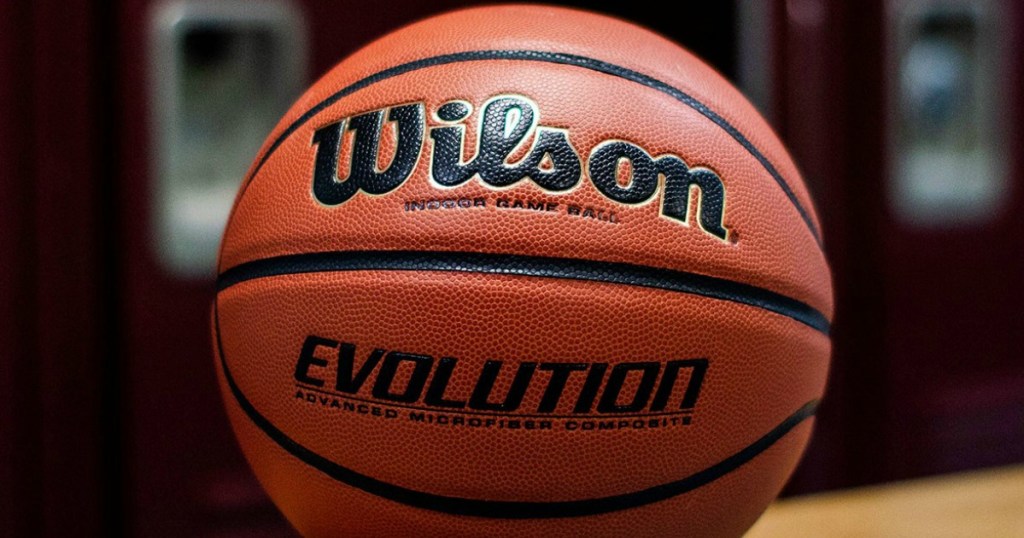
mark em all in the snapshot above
pixel 529 266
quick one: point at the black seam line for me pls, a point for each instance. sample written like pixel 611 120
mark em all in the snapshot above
pixel 556 58
pixel 508 509
pixel 528 266
pixel 464 411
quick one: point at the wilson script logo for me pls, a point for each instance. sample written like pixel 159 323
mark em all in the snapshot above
pixel 573 395
pixel 621 171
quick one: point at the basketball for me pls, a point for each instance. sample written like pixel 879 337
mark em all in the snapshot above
pixel 522 271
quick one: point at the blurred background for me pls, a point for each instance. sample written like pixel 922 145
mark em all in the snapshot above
pixel 126 126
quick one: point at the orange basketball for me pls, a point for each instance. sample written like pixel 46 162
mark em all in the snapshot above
pixel 522 271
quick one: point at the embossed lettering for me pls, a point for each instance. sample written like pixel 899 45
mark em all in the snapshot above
pixel 330 189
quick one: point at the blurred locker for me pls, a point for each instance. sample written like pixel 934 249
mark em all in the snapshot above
pixel 53 308
pixel 954 206
pixel 13 273
pixel 905 115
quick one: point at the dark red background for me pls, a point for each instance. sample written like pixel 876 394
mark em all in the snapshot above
pixel 110 420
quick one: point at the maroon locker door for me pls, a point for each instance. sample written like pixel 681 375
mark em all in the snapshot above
pixel 52 242
pixel 826 102
pixel 71 191
pixel 17 496
pixel 955 334
pixel 927 372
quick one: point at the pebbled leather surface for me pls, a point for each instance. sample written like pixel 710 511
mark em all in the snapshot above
pixel 764 364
